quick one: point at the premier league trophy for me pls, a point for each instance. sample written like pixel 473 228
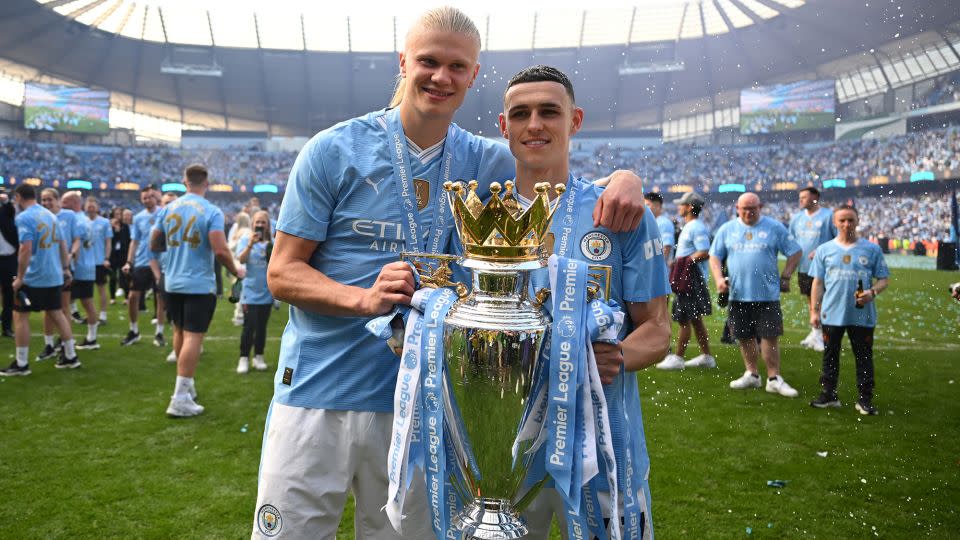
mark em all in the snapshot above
pixel 492 338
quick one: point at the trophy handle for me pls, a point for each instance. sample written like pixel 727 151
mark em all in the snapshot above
pixel 436 273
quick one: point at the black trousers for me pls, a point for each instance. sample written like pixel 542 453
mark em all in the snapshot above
pixel 8 271
pixel 254 334
pixel 861 340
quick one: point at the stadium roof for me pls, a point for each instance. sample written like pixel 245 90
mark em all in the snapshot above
pixel 633 66
pixel 379 26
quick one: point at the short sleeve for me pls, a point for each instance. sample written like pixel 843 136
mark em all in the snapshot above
pixel 719 248
pixel 701 239
pixel 26 231
pixel 109 228
pixel 135 229
pixel 308 202
pixel 216 221
pixel 159 224
pixel 666 232
pixel 788 246
pixel 880 270
pixel 817 266
pixel 241 245
pixel 644 270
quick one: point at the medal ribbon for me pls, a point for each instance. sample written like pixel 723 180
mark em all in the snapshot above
pixel 406 192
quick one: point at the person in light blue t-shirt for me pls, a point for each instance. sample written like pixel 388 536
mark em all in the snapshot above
pixel 69 230
pixel 189 231
pixel 102 236
pixel 254 250
pixel 668 231
pixel 137 266
pixel 539 108
pixel 691 302
pixel 84 268
pixel 359 193
pixel 41 273
pixel 810 227
pixel 750 246
pixel 842 301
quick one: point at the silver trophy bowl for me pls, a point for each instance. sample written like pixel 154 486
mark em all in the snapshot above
pixel 492 340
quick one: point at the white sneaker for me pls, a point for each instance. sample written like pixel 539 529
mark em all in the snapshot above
pixel 780 386
pixel 183 407
pixel 243 366
pixel 259 364
pixel 671 362
pixel 816 343
pixel 748 380
pixel 703 361
pixel 807 342
pixel 172 357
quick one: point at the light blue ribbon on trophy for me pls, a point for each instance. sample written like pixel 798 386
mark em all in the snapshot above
pixel 432 380
pixel 406 192
pixel 567 340
pixel 406 453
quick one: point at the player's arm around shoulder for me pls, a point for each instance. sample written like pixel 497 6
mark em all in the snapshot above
pixel 620 207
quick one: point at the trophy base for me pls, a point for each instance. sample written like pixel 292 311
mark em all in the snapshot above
pixel 490 519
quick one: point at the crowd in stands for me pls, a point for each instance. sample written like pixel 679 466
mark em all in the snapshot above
pixel 704 168
pixel 142 165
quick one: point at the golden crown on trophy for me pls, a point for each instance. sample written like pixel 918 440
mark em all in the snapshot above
pixel 501 230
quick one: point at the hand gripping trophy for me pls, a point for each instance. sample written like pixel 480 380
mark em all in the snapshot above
pixel 471 406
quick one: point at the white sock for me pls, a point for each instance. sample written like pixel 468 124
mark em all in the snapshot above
pixel 103 315
pixel 92 332
pixel 159 328
pixel 258 358
pixel 244 359
pixel 182 388
pixel 134 327
pixel 23 353
pixel 68 350
pixel 48 340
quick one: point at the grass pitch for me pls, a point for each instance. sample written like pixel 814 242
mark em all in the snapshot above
pixel 89 453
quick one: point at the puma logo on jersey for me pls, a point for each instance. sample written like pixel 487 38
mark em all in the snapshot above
pixel 375 185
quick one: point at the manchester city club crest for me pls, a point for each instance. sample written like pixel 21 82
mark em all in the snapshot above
pixel 748 235
pixel 762 234
pixel 596 246
pixel 422 189
pixel 862 260
pixel 846 259
pixel 269 520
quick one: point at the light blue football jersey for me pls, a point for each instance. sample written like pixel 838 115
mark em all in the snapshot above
pixel 255 289
pixel 639 274
pixel 841 268
pixel 695 237
pixel 751 254
pixel 140 229
pixel 342 193
pixel 187 223
pixel 67 228
pixel 39 226
pixel 667 230
pixel 85 267
pixel 811 231
pixel 102 231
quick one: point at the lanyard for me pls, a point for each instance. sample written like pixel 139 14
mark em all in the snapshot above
pixel 406 192
pixel 566 219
